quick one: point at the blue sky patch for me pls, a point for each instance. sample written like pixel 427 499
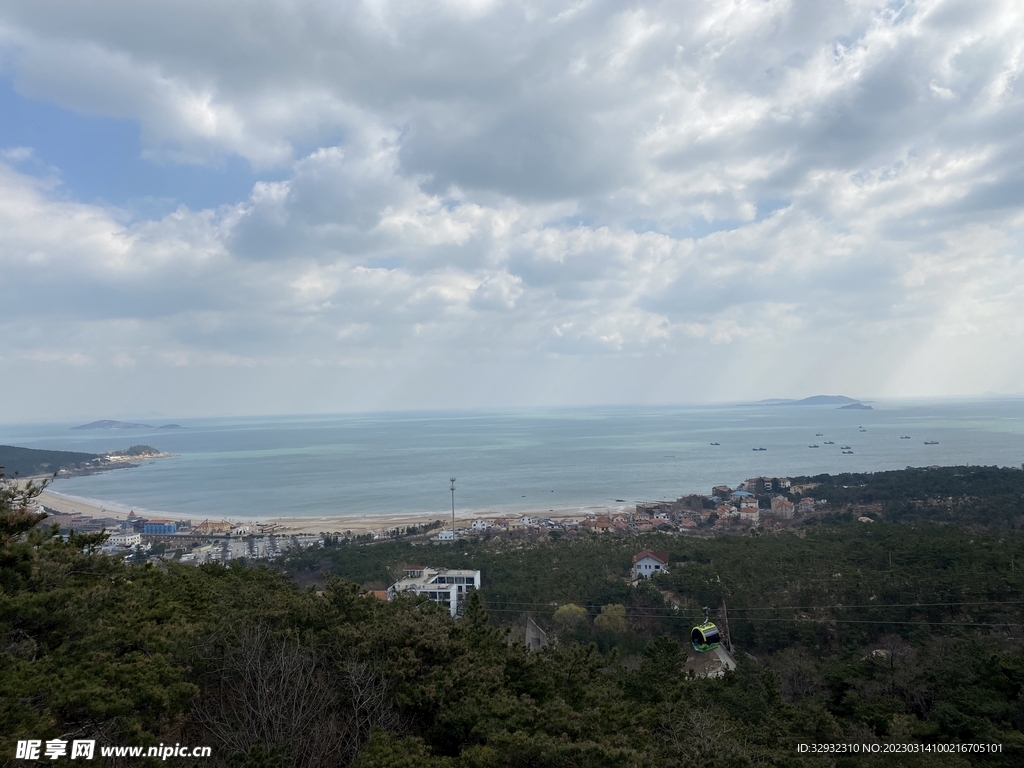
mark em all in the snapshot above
pixel 99 160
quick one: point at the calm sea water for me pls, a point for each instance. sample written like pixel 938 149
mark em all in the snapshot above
pixel 522 459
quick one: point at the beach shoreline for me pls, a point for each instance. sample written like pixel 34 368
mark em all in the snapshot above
pixel 330 524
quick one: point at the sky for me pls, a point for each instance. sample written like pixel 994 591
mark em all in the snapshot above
pixel 269 207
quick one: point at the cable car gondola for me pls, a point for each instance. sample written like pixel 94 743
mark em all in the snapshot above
pixel 705 637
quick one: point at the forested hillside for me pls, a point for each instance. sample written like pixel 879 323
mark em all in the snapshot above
pixel 926 649
pixel 27 462
pixel 990 497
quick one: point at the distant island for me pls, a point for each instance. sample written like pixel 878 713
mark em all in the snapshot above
pixel 855 407
pixel 108 424
pixel 841 400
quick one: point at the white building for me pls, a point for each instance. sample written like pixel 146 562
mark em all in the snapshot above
pixel 125 539
pixel 444 586
pixel 647 562
pixel 479 525
pixel 446 535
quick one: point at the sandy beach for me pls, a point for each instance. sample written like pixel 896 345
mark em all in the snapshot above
pixel 356 524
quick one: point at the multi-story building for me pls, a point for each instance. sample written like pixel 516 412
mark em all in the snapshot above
pixel 692 502
pixel 782 507
pixel 125 539
pixel 160 527
pixel 441 585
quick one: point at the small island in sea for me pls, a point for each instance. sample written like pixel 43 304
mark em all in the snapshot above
pixel 855 407
pixel 110 424
pixel 841 400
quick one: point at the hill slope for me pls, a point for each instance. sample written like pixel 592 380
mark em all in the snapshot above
pixel 29 461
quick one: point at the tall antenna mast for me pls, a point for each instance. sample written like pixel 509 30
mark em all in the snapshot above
pixel 453 510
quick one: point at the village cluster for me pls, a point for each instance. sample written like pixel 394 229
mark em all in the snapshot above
pixel 767 502
pixel 761 501
pixel 140 539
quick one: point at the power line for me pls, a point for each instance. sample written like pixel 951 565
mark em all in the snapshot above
pixel 837 606
pixel 810 620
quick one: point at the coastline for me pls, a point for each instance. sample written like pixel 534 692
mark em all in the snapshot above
pixel 333 524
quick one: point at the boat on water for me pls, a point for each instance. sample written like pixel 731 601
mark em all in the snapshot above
pixel 817 434
pixel 829 442
pixel 844 447
pixel 931 442
pixel 847 451
pixel 759 449
pixel 904 437
pixel 714 443
pixel 813 446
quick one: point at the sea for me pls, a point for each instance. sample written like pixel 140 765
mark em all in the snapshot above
pixel 513 460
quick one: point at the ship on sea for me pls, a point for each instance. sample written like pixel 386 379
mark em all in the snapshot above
pixel 759 449
pixel 829 442
pixel 931 442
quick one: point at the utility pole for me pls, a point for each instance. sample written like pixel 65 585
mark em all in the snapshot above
pixel 453 510
pixel 728 637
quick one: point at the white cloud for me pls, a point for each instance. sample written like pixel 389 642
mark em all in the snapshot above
pixel 16 154
pixel 827 195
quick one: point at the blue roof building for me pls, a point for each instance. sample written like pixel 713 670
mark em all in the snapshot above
pixel 159 528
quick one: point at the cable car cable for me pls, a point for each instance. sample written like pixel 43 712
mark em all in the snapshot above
pixel 836 606
pixel 812 620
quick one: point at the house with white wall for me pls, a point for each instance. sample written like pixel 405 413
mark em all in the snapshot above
pixel 441 585
pixel 647 562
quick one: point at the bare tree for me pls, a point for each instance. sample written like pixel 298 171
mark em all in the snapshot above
pixel 269 695
pixel 368 702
